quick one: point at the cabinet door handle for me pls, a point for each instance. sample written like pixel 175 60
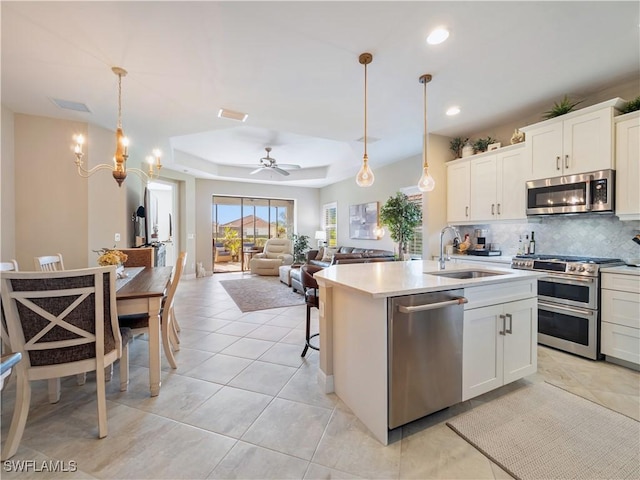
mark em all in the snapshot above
pixel 466 211
pixel 566 161
pixel 510 329
pixel 504 324
pixel 493 207
pixel 558 162
pixel 498 209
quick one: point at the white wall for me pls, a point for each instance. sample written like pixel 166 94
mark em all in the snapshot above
pixel 306 200
pixel 7 189
pixel 56 210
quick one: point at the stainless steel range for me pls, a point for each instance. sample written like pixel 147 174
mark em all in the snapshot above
pixel 568 300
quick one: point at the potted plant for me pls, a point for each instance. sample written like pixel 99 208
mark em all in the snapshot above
pixel 560 108
pixel 300 247
pixel 482 144
pixel 631 106
pixel 401 216
pixel 456 146
pixel 231 242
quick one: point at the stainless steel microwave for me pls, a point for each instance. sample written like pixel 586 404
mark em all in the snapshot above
pixel 582 193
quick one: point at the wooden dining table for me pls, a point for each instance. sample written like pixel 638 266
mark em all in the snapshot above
pixel 141 291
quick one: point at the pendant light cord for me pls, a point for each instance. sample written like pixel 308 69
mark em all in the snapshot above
pixel 365 110
pixel 425 143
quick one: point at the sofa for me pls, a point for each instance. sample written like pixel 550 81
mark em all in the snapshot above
pixel 343 255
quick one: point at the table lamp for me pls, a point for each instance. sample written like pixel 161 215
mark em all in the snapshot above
pixel 321 237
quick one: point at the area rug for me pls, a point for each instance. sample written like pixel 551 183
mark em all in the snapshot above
pixel 261 293
pixel 542 432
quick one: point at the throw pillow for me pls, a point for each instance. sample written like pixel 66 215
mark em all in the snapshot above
pixel 320 253
pixel 328 254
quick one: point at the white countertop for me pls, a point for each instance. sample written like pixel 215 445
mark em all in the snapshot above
pixel 623 269
pixel 389 279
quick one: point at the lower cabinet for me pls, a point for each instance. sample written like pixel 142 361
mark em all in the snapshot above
pixel 499 345
pixel 620 328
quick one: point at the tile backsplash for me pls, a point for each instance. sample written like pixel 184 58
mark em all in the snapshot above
pixel 588 235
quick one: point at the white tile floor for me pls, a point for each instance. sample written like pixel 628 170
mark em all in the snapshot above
pixel 243 404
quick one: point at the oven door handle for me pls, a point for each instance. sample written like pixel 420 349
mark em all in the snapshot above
pixel 552 307
pixel 568 280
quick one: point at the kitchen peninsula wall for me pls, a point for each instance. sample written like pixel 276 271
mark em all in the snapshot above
pixel 588 235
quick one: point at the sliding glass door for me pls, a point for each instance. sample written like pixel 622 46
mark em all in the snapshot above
pixel 242 225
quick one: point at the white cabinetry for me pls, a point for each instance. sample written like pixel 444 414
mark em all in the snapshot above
pixel 628 166
pixel 620 329
pixel 576 142
pixel 458 178
pixel 499 341
pixel 498 185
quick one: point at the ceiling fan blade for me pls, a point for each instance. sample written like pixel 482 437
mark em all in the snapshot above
pixel 259 169
pixel 288 166
pixel 280 171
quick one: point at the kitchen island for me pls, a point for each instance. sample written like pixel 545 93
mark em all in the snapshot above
pixel 355 319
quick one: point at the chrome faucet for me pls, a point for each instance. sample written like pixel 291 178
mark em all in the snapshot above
pixel 457 235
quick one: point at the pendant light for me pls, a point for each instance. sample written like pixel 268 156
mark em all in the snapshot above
pixel 426 182
pixel 365 176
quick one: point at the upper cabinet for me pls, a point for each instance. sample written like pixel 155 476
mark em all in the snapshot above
pixel 627 129
pixel 458 178
pixel 498 185
pixel 578 142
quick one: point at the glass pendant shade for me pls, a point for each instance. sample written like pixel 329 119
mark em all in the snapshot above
pixel 426 182
pixel 365 176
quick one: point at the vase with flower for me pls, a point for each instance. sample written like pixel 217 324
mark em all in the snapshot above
pixel 111 256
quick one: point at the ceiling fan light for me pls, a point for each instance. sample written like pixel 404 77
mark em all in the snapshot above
pixel 455 110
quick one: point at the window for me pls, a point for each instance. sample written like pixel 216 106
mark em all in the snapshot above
pixel 330 223
pixel 415 246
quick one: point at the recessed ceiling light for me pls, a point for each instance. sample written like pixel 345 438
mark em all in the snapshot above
pixel 230 114
pixel 439 35
pixel 453 111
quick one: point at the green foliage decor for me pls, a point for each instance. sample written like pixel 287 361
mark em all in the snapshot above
pixel 561 108
pixel 300 247
pixel 631 106
pixel 231 241
pixel 401 216
pixel 482 144
pixel 456 146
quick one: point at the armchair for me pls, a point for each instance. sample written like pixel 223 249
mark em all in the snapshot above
pixel 277 252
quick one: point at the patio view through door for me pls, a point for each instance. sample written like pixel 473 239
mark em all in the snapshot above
pixel 240 227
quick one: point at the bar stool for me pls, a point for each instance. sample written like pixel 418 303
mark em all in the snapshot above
pixel 311 297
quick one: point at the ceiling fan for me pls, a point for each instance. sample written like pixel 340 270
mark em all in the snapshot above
pixel 269 163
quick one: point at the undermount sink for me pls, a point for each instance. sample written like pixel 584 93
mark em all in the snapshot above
pixel 465 274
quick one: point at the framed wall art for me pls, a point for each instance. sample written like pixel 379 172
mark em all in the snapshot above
pixel 363 219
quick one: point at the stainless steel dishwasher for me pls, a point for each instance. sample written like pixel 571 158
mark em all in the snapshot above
pixel 425 354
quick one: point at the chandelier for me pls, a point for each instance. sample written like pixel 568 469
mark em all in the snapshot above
pixel 426 182
pixel 119 167
pixel 365 176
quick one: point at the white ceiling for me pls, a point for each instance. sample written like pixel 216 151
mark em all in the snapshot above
pixel 293 67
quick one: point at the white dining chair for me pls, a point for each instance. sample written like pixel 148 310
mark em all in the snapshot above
pixel 49 263
pixel 83 337
pixel 54 263
pixel 140 323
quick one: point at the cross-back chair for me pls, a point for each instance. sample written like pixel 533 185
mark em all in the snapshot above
pixel 63 323
pixel 48 263
pixel 140 323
